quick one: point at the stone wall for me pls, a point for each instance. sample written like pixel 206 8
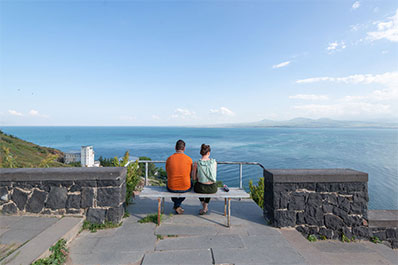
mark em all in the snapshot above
pixel 323 202
pixel 97 193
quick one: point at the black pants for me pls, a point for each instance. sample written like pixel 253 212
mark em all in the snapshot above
pixel 205 189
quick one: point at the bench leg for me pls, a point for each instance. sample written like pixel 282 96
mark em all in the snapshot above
pixel 229 213
pixel 225 207
pixel 163 205
pixel 159 210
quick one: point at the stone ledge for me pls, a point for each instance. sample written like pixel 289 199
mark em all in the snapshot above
pixel 383 218
pixel 61 174
pixel 314 175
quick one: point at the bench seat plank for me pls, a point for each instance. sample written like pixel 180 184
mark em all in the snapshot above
pixel 162 192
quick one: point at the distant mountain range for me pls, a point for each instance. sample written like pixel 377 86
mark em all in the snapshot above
pixel 312 123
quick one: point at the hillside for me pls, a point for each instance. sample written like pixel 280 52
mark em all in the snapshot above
pixel 27 154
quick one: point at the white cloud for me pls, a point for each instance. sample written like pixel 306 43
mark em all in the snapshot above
pixel 356 5
pixel 15 113
pixel 182 114
pixel 222 111
pixel 344 109
pixel 386 29
pixel 33 112
pixel 309 97
pixel 336 46
pixel 283 64
pixel 387 78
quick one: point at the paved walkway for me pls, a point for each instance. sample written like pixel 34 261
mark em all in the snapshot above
pixel 194 239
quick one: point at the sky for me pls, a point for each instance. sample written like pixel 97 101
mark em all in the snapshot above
pixel 164 63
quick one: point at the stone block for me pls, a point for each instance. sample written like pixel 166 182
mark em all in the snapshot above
pixel 347 232
pixel 328 233
pixel 314 200
pixel 327 208
pixel 87 199
pixel 361 232
pixel 281 200
pixel 333 222
pixel 96 216
pixel 36 201
pixel 27 184
pixel 3 191
pixel 73 211
pixel 284 187
pixel 5 183
pixel 300 218
pixel 355 186
pixel 342 214
pixel 391 233
pixel 9 208
pixel 297 202
pixel 358 207
pixel 331 199
pixel 343 203
pixel 307 186
pixel 284 218
pixel 394 243
pixel 302 229
pixel 20 198
pixel 75 188
pixel 109 197
pixel 380 234
pixel 313 216
pixel 115 214
pixel 109 182
pixel 73 201
pixel 57 198
pixel 354 221
pixel 313 230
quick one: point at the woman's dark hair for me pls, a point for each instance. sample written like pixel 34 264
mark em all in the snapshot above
pixel 204 149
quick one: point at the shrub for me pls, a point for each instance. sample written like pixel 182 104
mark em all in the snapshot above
pixel 257 192
pixel 311 238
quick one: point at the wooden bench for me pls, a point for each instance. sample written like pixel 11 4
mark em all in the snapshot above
pixel 161 193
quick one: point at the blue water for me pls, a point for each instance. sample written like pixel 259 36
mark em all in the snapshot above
pixel 374 151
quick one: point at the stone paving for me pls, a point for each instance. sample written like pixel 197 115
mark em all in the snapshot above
pixel 194 239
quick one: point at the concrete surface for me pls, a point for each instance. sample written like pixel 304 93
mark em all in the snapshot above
pixel 194 239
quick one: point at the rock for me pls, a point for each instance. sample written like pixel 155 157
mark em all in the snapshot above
pixel 57 198
pixel 297 202
pixel 87 199
pixel 109 197
pixel 3 192
pixel 347 232
pixel 96 216
pixel 343 203
pixel 73 201
pixel 302 229
pixel 9 208
pixel 284 218
pixel 361 232
pixel 75 188
pixel 380 234
pixel 20 198
pixel 342 214
pixel 357 208
pixel 327 208
pixel 36 201
pixel 328 233
pixel 86 183
pixel 300 218
pixel 394 243
pixel 313 216
pixel 333 222
pixel 391 233
pixel 115 214
pixel 314 200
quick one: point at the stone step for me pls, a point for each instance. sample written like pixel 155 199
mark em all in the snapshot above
pixel 66 228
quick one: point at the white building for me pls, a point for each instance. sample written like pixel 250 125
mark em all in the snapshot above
pixel 72 157
pixel 87 156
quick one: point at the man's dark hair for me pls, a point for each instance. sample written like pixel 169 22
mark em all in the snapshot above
pixel 180 145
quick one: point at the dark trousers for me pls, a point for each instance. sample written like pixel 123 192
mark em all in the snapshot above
pixel 205 189
pixel 178 200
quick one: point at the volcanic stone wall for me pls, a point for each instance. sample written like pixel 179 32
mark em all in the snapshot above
pixel 97 193
pixel 323 202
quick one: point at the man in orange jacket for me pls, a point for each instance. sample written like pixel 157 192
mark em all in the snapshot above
pixel 179 168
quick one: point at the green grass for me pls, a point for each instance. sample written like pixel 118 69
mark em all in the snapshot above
pixel 311 238
pixel 95 227
pixel 59 252
pixel 345 239
pixel 151 218
pixel 322 237
pixel 27 154
pixel 375 239
pixel 159 237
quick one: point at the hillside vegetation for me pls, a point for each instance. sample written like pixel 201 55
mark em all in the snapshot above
pixel 15 152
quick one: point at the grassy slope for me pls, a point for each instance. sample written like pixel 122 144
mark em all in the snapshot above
pixel 28 154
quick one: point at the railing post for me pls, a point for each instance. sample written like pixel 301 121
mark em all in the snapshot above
pixel 146 173
pixel 240 175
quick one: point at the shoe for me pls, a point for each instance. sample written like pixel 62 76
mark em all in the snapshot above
pixel 179 210
pixel 202 212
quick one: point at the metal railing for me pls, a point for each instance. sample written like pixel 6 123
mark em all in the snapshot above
pixel 218 162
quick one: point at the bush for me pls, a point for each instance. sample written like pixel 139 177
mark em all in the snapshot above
pixel 257 192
